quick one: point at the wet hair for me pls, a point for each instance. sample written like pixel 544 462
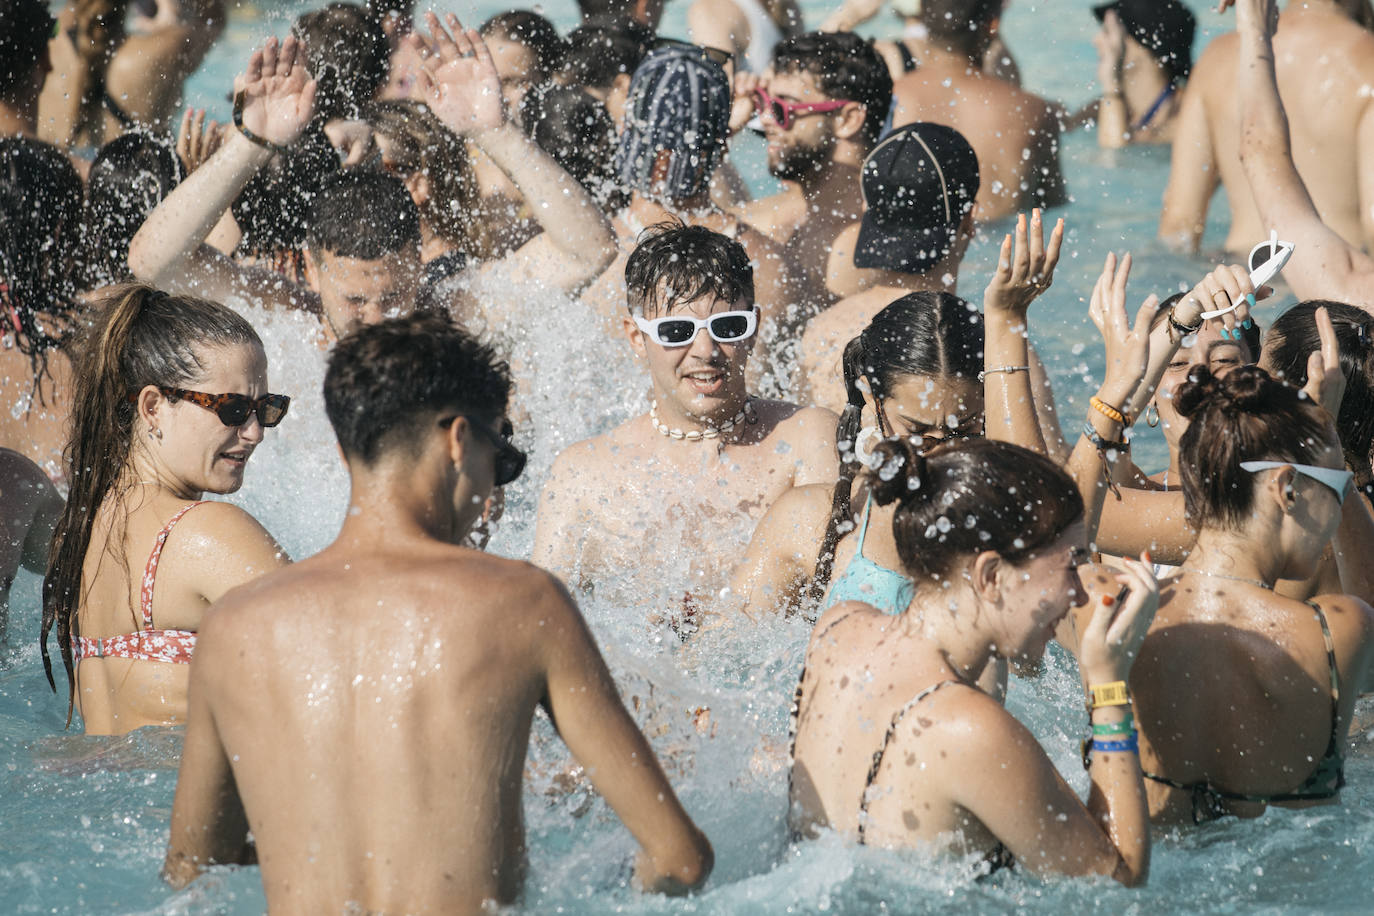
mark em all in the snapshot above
pixel 130 176
pixel 273 209
pixel 363 214
pixel 1362 11
pixel 386 383
pixel 606 9
pixel 347 53
pixel 843 66
pixel 40 225
pixel 1246 415
pixel 536 33
pixel 25 27
pixel 928 334
pixel 1292 339
pixel 963 497
pixel 142 337
pixel 597 54
pixel 958 22
pixel 575 129
pixel 674 263
pixel 420 143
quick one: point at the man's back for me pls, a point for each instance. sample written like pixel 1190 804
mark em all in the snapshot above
pixel 1325 66
pixel 1014 133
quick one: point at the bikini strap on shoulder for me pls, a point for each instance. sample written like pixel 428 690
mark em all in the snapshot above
pixel 154 558
pixel 1331 666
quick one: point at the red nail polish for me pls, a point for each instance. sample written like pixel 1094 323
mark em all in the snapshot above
pixel 1108 600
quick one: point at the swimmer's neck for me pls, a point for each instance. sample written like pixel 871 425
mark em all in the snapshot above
pixel 934 55
pixel 401 499
pixel 942 278
pixel 1245 554
pixel 965 647
pixel 650 210
pixel 830 190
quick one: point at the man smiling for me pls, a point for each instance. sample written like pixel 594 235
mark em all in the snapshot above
pixel 686 482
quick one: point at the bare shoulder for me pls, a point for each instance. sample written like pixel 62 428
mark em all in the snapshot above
pixel 590 453
pixel 1349 614
pixel 788 417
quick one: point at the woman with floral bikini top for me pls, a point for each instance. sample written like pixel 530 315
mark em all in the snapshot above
pixel 171 400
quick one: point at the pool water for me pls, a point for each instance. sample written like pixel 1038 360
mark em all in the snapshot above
pixel 83 821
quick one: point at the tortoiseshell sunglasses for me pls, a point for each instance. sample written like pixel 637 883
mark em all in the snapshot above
pixel 232 409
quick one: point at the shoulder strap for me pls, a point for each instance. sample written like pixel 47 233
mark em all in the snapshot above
pixel 150 571
pixel 1331 746
pixel 863 527
pixel 887 738
pixel 908 61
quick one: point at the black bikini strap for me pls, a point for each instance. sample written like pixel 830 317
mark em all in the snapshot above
pixel 887 738
pixel 908 61
pixel 1332 744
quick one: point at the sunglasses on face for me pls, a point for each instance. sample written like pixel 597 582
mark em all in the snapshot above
pixel 232 409
pixel 510 461
pixel 681 330
pixel 1337 480
pixel 783 113
pixel 718 55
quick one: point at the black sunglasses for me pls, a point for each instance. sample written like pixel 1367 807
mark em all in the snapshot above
pixel 719 55
pixel 232 409
pixel 510 461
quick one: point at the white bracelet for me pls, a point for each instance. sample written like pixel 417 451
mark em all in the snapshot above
pixel 986 372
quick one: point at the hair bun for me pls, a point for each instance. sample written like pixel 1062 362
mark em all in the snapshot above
pixel 897 472
pixel 1245 389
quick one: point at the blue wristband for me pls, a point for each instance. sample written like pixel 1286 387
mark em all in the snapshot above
pixel 1131 744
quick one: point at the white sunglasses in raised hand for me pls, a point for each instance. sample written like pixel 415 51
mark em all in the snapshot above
pixel 1337 480
pixel 1266 260
pixel 681 330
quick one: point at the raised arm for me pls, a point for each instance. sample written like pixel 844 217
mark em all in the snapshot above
pixel 1324 265
pixel 675 856
pixel 457 79
pixel 169 250
pixel 1193 177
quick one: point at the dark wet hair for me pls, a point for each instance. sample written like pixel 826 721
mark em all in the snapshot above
pixel 273 209
pixel 969 495
pixel 142 337
pixel 597 54
pixel 386 382
pixel 1246 415
pixel 420 143
pixel 347 53
pixel 364 214
pixel 843 66
pixel 1362 11
pixel 675 263
pixel 130 176
pixel 930 334
pixel 40 227
pixel 1292 339
pixel 958 21
pixel 575 129
pixel 535 32
pixel 1251 336
pixel 25 27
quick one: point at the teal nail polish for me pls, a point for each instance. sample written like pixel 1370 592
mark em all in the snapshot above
pixel 1247 324
pixel 1250 298
pixel 1226 333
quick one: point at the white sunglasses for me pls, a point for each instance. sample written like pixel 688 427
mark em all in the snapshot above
pixel 1338 481
pixel 681 330
pixel 1266 260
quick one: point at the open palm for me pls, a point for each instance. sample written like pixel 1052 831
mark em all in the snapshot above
pixel 276 93
pixel 457 78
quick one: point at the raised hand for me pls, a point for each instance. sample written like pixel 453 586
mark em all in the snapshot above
pixel 1325 380
pixel 197 140
pixel 1128 347
pixel 276 95
pixel 1025 267
pixel 1226 295
pixel 1109 644
pixel 457 78
pixel 743 101
pixel 1110 42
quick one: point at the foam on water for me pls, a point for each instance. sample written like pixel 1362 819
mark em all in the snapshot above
pixel 83 821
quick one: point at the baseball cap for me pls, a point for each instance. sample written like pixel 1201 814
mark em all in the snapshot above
pixel 679 101
pixel 1164 27
pixel 918 184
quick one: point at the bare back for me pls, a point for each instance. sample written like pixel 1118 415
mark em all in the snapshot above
pixel 35 423
pixel 1014 133
pixel 1325 64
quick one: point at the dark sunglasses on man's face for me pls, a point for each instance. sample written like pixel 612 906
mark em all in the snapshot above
pixel 510 461
pixel 232 409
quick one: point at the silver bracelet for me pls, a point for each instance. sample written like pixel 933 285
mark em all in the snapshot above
pixel 986 372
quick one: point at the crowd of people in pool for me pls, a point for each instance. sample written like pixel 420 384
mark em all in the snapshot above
pixel 357 721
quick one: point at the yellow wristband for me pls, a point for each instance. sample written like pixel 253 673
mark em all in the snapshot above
pixel 1108 411
pixel 1113 694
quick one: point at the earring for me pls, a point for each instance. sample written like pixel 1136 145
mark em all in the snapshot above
pixel 155 434
pixel 1152 416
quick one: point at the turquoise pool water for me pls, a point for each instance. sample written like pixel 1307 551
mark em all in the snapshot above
pixel 83 821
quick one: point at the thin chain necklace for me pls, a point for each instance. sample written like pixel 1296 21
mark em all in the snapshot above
pixel 696 435
pixel 1255 582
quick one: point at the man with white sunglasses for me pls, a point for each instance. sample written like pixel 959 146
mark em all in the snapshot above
pixel 659 508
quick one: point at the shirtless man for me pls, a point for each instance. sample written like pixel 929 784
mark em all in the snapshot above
pixel 425 664
pixel 684 484
pixel 822 104
pixel 1325 66
pixel 462 91
pixel 920 185
pixel 1015 133
pixel 1324 265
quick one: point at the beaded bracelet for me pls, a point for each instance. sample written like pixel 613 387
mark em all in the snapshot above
pixel 252 137
pixel 1183 329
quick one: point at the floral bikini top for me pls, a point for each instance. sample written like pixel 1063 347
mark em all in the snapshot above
pixel 146 644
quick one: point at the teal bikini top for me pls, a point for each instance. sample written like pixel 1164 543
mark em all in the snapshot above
pixel 863 580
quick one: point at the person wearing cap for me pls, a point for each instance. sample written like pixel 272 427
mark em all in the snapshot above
pixel 822 105
pixel 1144 53
pixel 919 186
pixel 1324 65
pixel 676 125
pixel 1015 133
